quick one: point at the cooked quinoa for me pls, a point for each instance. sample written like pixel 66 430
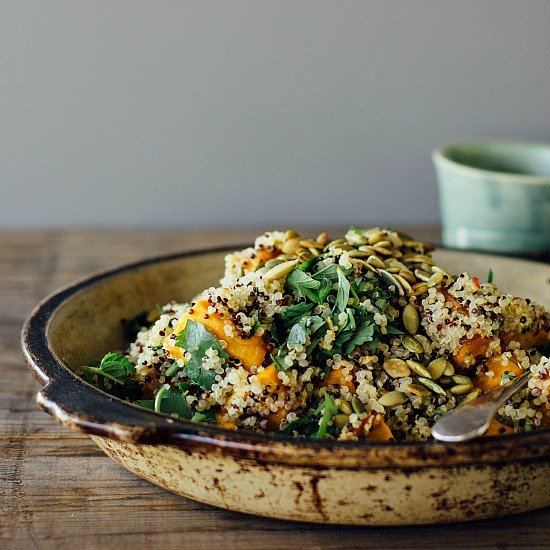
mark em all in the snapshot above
pixel 362 337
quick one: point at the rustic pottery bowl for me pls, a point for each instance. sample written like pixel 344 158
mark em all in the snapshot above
pixel 274 476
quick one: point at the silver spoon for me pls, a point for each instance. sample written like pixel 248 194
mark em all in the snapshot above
pixel 473 418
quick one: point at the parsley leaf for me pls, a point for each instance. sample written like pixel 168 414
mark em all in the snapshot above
pixel 196 340
pixel 303 283
pixel 342 296
pixel 327 409
pixel 172 401
pixel 114 374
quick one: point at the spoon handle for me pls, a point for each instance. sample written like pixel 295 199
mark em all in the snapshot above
pixel 473 418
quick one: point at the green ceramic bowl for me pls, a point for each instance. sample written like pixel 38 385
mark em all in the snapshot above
pixel 495 195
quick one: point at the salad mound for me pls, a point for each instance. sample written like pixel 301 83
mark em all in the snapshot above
pixel 359 338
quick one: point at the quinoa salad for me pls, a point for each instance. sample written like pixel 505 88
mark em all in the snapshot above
pixel 359 338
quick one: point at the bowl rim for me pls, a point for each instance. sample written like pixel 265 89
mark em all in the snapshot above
pixel 440 157
pixel 95 412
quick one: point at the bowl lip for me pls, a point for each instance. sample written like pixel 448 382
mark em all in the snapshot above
pixel 157 428
pixel 440 157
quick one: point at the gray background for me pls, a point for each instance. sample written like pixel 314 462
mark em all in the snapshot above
pixel 218 114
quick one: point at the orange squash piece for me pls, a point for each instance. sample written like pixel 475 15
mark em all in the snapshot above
pixel 498 428
pixel 470 350
pixel 275 418
pixel 228 424
pixel 380 431
pixel 487 383
pixel 336 377
pixel 251 351
pixel 269 377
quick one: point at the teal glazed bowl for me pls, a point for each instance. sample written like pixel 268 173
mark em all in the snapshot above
pixel 495 195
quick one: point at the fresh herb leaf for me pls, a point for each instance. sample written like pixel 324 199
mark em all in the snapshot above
pixel 279 361
pixel 490 276
pixel 171 370
pixel 303 283
pixel 115 374
pixel 363 334
pixel 342 296
pixel 207 416
pixel 168 401
pixel 196 340
pixel 297 334
pixel 327 409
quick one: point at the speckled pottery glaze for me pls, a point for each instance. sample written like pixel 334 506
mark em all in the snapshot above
pixel 495 195
pixel 274 476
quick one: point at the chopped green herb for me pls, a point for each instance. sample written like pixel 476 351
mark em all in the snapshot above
pixel 196 340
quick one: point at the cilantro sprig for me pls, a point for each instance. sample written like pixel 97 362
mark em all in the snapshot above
pixel 115 374
pixel 196 340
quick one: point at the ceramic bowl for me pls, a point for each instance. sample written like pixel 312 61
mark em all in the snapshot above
pixel 275 476
pixel 495 195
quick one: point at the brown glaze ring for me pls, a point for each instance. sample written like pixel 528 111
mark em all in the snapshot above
pixel 79 405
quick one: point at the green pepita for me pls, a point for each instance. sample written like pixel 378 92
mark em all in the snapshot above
pixel 396 368
pixel 461 379
pixel 437 367
pixel 416 389
pixel 419 369
pixel 431 385
pixel 411 319
pixel 392 399
pixel 461 389
pixel 412 344
pixel 356 405
pixel 340 420
pixel 470 396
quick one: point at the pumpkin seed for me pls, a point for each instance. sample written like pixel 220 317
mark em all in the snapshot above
pixel 291 245
pixel 335 244
pixel 314 251
pixel 470 396
pixel 273 262
pixel 391 281
pixel 396 368
pixel 383 251
pixel 356 405
pixel 445 380
pixel 449 369
pixel 461 389
pixel 311 244
pixel 461 379
pixel 392 399
pixel 411 320
pixel 418 369
pixel 291 234
pixel 435 279
pixel 412 344
pixel 340 420
pixel 376 237
pixel 368 266
pixel 367 248
pixel 421 391
pixel 422 275
pixel 420 288
pixel 404 284
pixel 375 261
pixel 408 276
pixel 437 367
pixel 383 244
pixel 358 254
pixel 322 238
pixel 431 385
pixel 344 406
pixel 280 271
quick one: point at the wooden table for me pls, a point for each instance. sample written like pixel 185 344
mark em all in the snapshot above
pixel 59 491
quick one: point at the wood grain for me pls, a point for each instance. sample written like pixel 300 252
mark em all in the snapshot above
pixel 58 490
